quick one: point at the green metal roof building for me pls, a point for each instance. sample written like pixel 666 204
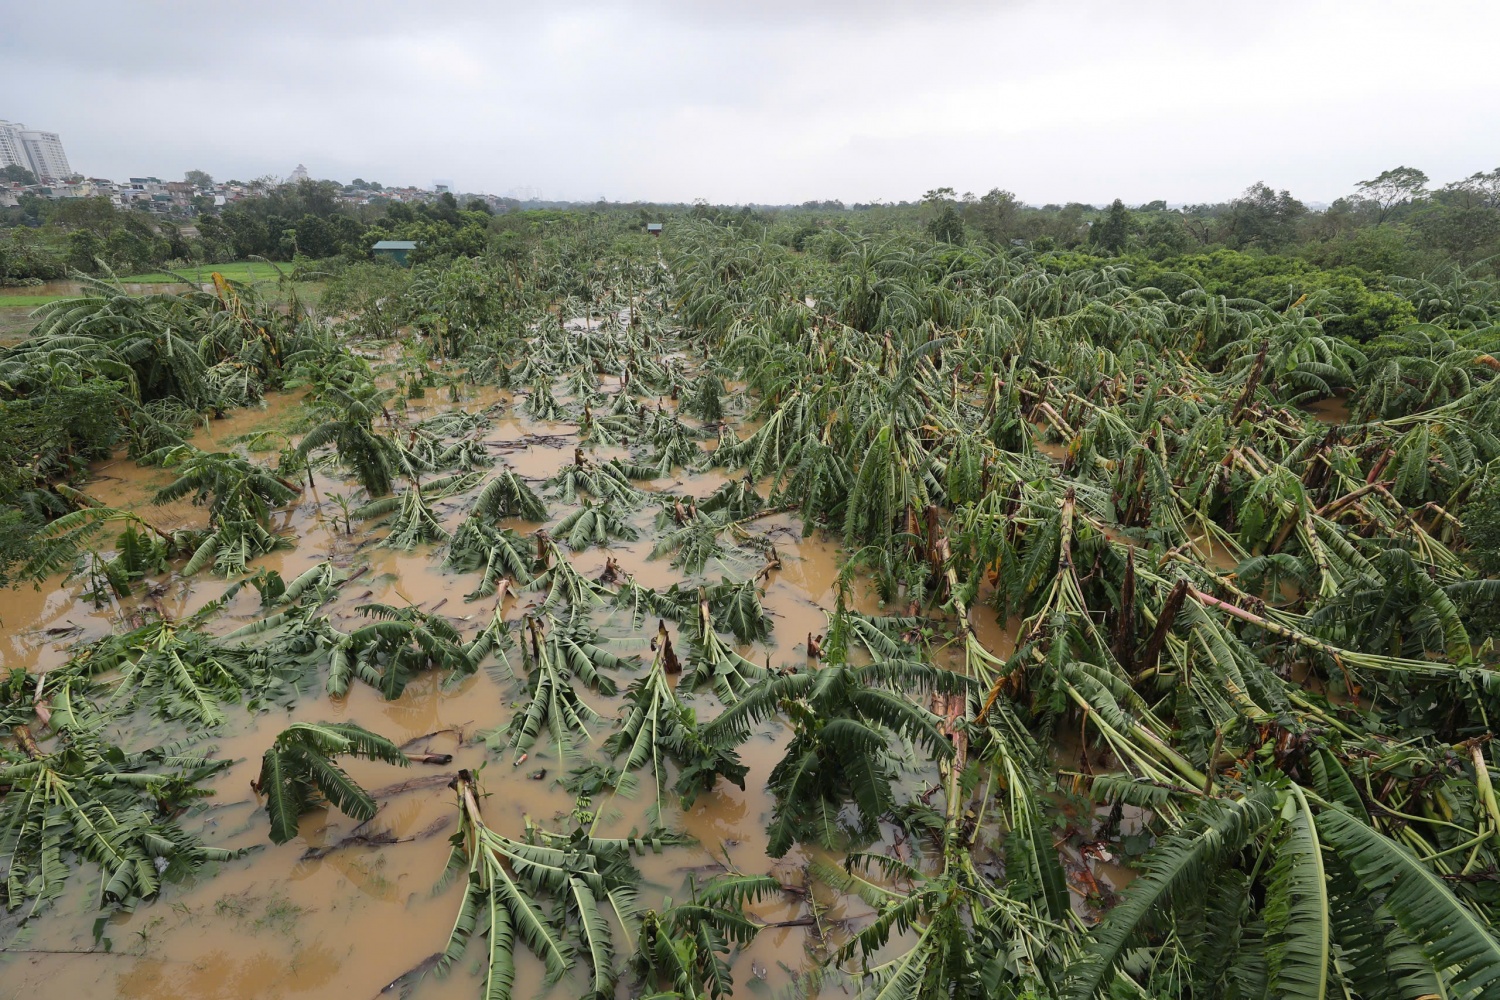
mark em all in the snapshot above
pixel 395 250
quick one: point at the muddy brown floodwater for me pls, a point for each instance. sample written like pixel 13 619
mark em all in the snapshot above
pixel 313 918
pixel 1333 410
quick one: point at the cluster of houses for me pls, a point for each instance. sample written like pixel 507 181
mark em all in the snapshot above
pixel 184 198
pixel 162 197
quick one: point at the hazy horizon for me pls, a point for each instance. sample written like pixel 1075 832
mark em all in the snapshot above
pixel 669 101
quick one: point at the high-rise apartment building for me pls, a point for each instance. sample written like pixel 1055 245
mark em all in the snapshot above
pixel 45 151
pixel 12 151
pixel 37 151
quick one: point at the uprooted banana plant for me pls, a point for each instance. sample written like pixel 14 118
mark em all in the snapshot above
pixel 91 800
pixel 658 728
pixel 398 645
pixel 553 662
pixel 684 946
pixel 240 496
pixel 842 718
pixel 558 894
pixel 301 763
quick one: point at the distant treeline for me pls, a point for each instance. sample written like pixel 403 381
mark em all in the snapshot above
pixel 1264 244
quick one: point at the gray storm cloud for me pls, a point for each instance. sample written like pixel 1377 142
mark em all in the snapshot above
pixel 768 102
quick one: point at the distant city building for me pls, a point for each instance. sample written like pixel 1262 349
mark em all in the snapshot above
pixel 300 174
pixel 45 151
pixel 12 152
pixel 37 151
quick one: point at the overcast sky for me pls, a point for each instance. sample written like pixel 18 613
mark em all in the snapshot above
pixel 768 101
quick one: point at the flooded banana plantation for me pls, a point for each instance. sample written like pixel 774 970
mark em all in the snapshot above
pixel 698 617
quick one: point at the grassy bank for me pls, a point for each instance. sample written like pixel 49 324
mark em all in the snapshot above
pixel 243 270
pixel 15 310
